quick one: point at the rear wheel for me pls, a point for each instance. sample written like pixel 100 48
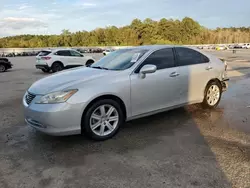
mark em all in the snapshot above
pixel 103 119
pixel 2 68
pixel 212 96
pixel 56 67
pixel 89 62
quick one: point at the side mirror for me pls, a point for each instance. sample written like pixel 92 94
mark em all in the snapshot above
pixel 147 69
pixel 82 55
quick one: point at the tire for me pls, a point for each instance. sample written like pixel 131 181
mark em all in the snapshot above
pixel 89 62
pixel 109 130
pixel 212 95
pixel 57 66
pixel 45 70
pixel 2 68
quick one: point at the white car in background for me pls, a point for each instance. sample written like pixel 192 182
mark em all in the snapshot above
pixel 57 60
pixel 246 46
pixel 106 52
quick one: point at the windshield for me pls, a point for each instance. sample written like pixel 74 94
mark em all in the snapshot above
pixel 119 60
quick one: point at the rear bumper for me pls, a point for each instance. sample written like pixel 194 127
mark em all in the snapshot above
pixel 44 67
pixel 9 66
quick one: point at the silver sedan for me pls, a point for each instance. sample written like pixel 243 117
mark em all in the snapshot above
pixel 125 85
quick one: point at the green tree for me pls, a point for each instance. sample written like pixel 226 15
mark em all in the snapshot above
pixel 164 31
pixel 66 32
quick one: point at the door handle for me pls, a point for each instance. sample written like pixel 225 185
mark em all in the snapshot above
pixel 174 74
pixel 209 68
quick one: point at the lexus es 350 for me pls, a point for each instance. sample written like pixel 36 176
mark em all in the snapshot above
pixel 126 84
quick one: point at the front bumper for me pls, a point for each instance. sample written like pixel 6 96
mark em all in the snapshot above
pixel 9 65
pixel 44 67
pixel 54 119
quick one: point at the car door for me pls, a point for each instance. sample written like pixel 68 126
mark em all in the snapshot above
pixel 77 58
pixel 157 90
pixel 65 57
pixel 195 71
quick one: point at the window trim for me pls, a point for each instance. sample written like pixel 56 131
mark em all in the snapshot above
pixel 177 57
pixel 150 53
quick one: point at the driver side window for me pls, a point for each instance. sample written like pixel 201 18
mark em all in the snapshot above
pixel 162 59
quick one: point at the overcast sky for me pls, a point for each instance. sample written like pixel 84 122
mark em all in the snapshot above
pixel 51 16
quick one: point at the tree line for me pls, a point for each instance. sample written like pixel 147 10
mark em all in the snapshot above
pixel 148 31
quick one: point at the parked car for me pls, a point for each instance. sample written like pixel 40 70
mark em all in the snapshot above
pixel 246 46
pixel 125 85
pixel 221 48
pixel 57 60
pixel 5 64
pixel 108 51
pixel 97 50
pixel 237 46
pixel 80 50
pixel 10 55
pixel 231 46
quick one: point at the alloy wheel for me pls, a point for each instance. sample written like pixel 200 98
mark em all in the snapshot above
pixel 104 120
pixel 213 95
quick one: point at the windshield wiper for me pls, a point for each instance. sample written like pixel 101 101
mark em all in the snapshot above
pixel 98 67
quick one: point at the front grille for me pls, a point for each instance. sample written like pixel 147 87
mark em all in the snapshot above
pixel 29 97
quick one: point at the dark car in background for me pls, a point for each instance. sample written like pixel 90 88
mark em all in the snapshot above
pixel 5 64
pixel 237 46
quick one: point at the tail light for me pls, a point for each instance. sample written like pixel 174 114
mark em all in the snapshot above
pixel 46 58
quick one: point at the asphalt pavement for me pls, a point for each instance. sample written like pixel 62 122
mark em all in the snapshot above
pixel 188 147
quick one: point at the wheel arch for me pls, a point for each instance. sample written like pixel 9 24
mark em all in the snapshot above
pixel 3 63
pixel 57 62
pixel 106 96
pixel 213 80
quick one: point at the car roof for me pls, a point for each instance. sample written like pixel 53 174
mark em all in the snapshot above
pixel 155 47
pixel 45 50
pixel 60 49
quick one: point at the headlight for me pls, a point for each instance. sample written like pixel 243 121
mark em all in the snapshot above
pixel 56 97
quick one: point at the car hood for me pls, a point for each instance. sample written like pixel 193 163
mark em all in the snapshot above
pixel 66 79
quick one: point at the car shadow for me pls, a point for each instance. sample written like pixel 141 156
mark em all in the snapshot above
pixel 172 138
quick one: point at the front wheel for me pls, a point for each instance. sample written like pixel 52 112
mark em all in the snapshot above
pixel 103 119
pixel 212 96
pixel 2 68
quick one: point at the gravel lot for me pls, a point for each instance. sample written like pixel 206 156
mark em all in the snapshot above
pixel 187 147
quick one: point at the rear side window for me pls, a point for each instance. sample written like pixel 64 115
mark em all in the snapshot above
pixel 187 56
pixel 44 53
pixel 73 53
pixel 162 59
pixel 63 53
